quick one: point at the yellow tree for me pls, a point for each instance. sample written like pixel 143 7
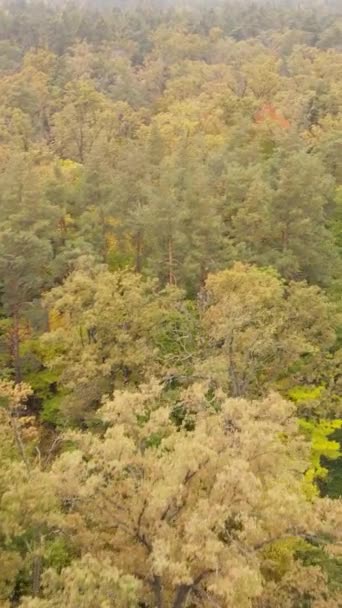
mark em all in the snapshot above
pixel 28 504
pixel 188 503
pixel 256 326
pixel 114 329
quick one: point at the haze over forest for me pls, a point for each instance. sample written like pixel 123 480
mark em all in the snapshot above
pixel 170 304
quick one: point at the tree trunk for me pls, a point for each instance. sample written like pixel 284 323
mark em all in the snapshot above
pixel 183 591
pixel 36 575
pixel 15 346
pixel 80 144
pixel 63 229
pixel 232 372
pixel 138 251
pixel 181 596
pixel 285 237
pixel 18 439
pixel 104 249
pixel 157 589
pixel 171 274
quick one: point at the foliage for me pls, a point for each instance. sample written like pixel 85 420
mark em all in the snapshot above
pixel 185 511
pixel 170 261
pixel 86 582
pixel 258 327
pixel 322 445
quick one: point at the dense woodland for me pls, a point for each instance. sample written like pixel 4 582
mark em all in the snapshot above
pixel 171 305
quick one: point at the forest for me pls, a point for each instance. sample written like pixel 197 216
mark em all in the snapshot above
pixel 171 304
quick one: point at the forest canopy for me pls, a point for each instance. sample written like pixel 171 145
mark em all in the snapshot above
pixel 170 304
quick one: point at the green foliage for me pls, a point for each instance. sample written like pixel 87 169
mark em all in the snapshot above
pixel 300 394
pixel 316 556
pixel 117 260
pixel 51 409
pixel 332 483
pixel 176 336
pixel 278 557
pixel 322 446
pixel 42 382
pixel 58 554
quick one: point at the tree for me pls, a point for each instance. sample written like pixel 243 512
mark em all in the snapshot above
pixel 80 121
pixel 283 220
pixel 29 241
pixel 308 585
pixel 187 505
pixel 22 256
pixel 257 327
pixel 29 92
pixel 28 504
pixel 183 228
pixel 87 582
pixel 112 329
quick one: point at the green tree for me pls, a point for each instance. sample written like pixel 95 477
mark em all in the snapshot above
pixel 283 220
pixel 22 256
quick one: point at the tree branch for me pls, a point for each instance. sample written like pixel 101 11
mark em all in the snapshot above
pixel 310 538
pixel 184 590
pixel 188 477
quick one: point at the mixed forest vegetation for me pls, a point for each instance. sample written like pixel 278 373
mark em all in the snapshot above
pixel 170 305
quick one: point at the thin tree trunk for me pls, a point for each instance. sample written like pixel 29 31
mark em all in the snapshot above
pixel 285 237
pixel 203 274
pixel 63 229
pixel 157 589
pixel 18 439
pixel 181 596
pixel 15 346
pixel 233 376
pixel 36 575
pixel 138 251
pixel 103 229
pixel 80 144
pixel 171 277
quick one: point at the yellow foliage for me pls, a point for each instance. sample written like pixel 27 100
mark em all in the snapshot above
pixel 56 319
